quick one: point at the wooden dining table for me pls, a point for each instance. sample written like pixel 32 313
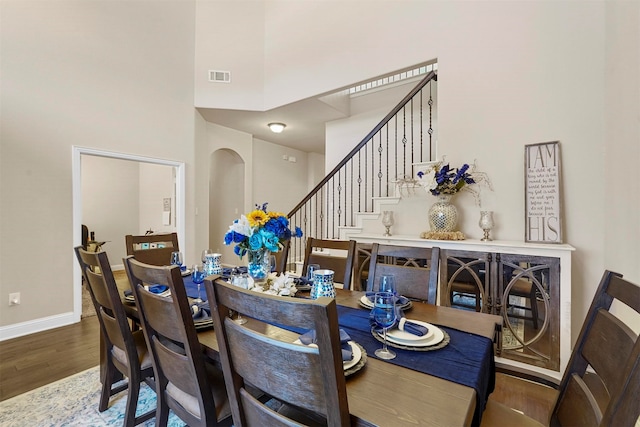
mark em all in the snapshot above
pixel 385 394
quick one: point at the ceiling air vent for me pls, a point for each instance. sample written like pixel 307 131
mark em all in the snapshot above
pixel 220 76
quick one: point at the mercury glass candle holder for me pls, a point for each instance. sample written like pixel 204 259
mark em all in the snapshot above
pixel 387 221
pixel 486 224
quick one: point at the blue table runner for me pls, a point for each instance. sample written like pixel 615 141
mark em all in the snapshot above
pixel 467 359
pixel 192 288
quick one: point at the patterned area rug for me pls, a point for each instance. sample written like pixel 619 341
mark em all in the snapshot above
pixel 88 309
pixel 73 401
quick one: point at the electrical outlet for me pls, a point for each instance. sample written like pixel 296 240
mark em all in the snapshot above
pixel 14 298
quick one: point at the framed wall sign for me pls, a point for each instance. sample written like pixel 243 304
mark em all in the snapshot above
pixel 543 202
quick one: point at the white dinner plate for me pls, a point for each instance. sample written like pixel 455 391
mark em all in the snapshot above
pixel 357 355
pixel 366 302
pixel 185 273
pixel 406 336
pixel 434 339
pixel 346 364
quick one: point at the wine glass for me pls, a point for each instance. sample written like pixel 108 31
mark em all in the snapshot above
pixel 242 281
pixel 197 276
pixel 205 253
pixel 176 259
pixel 384 314
pixel 387 284
pixel 310 269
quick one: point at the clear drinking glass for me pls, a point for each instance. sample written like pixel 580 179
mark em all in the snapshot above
pixel 310 269
pixel 384 314
pixel 176 258
pixel 240 280
pixel 205 253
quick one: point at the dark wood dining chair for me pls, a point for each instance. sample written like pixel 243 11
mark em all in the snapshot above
pixel 339 257
pixel 193 389
pixel 308 382
pixel 601 384
pixel 361 266
pixel 124 352
pixel 157 247
pixel 416 270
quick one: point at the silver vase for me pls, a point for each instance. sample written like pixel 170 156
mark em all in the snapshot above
pixel 443 215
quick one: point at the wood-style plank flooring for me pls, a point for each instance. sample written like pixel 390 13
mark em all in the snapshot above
pixel 38 359
pixel 35 360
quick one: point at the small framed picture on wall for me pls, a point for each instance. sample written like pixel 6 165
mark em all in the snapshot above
pixel 543 201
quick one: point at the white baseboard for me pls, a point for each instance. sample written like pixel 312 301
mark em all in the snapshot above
pixel 37 325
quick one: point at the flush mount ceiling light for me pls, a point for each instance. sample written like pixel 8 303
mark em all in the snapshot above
pixel 277 127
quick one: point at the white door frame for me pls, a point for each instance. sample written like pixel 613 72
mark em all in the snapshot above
pixel 77 152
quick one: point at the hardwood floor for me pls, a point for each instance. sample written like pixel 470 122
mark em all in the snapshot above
pixel 35 360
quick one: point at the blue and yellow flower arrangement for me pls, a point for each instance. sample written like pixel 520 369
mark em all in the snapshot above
pixel 260 230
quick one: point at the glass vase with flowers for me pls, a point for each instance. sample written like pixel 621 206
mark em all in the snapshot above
pixel 258 234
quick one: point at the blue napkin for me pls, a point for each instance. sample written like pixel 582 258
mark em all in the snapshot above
pixel 156 289
pixel 302 281
pixel 401 323
pixel 201 311
pixel 309 337
pixel 400 300
pixel 412 328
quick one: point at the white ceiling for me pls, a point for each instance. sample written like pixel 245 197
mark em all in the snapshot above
pixel 305 122
pixel 306 119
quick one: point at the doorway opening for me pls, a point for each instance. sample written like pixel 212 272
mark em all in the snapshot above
pixel 119 162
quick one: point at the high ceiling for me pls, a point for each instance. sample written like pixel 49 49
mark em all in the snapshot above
pixel 306 119
pixel 305 122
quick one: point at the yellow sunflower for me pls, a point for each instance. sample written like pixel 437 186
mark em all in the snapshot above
pixel 257 218
pixel 275 214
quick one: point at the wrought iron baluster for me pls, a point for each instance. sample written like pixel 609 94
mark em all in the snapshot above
pixel 380 164
pixel 404 139
pixel 421 126
pixel 339 210
pixel 387 151
pixel 412 139
pixel 430 131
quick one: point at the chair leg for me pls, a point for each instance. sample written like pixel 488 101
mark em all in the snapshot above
pixel 162 414
pixel 107 381
pixel 132 402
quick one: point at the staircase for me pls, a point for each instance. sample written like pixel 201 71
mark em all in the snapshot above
pixel 372 174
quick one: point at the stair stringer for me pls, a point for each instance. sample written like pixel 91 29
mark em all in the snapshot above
pixel 364 220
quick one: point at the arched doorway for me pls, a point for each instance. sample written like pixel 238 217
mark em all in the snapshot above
pixel 226 199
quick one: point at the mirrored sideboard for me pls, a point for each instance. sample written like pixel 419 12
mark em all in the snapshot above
pixel 528 284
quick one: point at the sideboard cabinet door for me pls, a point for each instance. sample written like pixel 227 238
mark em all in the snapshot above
pixel 523 289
